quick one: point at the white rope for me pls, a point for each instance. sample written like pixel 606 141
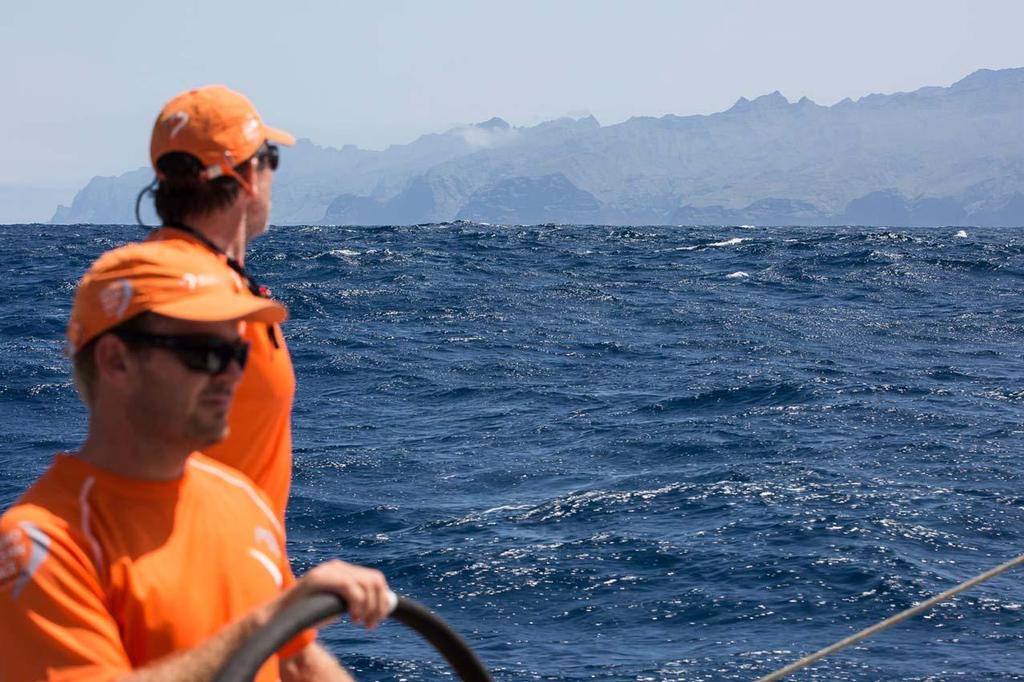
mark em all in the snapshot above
pixel 892 620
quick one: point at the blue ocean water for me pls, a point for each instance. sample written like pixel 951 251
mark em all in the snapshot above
pixel 646 453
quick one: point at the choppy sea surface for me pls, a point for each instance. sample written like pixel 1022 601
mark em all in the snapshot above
pixel 645 453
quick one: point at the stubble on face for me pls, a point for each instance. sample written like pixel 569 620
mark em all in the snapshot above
pixel 179 405
pixel 258 214
pixel 207 422
pixel 176 408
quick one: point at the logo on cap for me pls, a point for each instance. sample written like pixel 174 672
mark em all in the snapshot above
pixel 116 297
pixel 191 280
pixel 177 121
pixel 251 128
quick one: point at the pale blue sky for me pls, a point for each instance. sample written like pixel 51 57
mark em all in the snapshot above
pixel 83 80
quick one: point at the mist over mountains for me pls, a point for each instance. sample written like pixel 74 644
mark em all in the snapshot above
pixel 935 156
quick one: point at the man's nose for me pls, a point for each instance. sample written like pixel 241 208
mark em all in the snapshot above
pixel 232 373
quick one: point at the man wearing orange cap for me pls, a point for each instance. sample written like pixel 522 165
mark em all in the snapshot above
pixel 138 558
pixel 214 159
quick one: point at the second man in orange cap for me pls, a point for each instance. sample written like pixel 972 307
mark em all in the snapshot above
pixel 214 158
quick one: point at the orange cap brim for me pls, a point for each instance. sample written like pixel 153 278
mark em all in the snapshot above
pixel 278 135
pixel 219 308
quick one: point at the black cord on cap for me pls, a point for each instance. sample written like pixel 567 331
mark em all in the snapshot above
pixel 293 619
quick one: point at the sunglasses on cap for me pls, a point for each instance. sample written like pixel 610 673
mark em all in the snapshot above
pixel 269 155
pixel 199 352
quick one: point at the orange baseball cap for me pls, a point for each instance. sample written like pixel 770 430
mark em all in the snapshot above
pixel 218 126
pixel 170 278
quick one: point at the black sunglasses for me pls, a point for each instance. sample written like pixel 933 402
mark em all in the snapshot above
pixel 270 155
pixel 199 352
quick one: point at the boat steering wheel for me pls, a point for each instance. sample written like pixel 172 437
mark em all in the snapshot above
pixel 304 613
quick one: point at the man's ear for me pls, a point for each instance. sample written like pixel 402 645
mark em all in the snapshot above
pixel 113 360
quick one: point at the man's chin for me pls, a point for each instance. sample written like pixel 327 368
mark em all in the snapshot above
pixel 210 434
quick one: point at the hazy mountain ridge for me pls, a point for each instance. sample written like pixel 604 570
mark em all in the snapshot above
pixel 952 156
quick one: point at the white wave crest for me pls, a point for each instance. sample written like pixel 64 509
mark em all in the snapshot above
pixel 728 242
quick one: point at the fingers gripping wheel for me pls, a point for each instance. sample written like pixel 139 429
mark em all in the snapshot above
pixel 243 665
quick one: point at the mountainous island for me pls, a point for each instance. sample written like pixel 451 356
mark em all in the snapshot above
pixel 936 156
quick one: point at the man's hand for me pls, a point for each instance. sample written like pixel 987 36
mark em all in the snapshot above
pixel 369 600
pixel 365 590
